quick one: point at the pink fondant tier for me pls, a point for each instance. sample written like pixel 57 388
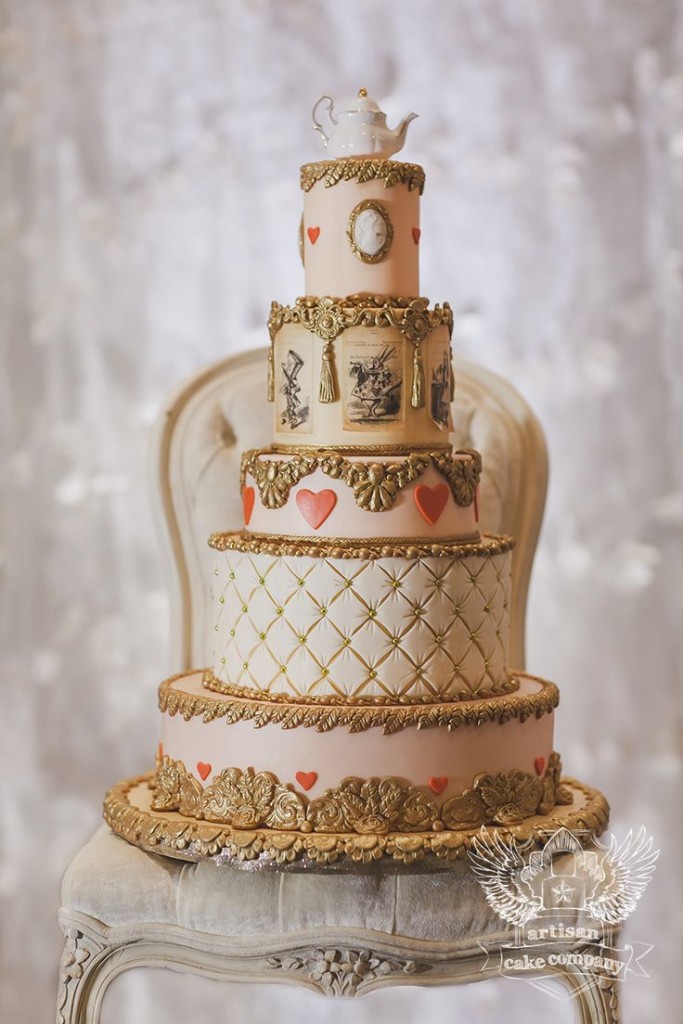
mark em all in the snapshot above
pixel 331 265
pixel 206 732
pixel 320 505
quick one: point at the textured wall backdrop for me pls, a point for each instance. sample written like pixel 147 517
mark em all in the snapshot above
pixel 149 211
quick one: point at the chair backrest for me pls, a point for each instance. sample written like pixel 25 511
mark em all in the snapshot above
pixel 210 420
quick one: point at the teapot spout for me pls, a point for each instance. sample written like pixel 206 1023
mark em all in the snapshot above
pixel 399 133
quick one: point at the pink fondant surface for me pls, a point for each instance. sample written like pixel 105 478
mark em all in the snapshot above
pixel 412 754
pixel 332 268
pixel 347 519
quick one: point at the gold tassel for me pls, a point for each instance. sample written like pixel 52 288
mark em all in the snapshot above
pixel 417 398
pixel 271 374
pixel 327 391
pixel 452 376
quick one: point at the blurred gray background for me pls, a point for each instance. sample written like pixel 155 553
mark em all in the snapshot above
pixel 149 212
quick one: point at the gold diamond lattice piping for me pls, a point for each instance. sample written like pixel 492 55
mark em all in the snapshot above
pixel 195 839
pixel 247 799
pixel 391 172
pixel 344 547
pixel 236 704
pixel 375 485
pixel 327 317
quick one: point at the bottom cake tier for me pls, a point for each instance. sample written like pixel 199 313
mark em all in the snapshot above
pixel 244 778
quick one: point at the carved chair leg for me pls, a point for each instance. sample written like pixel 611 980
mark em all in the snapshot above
pixel 83 976
pixel 597 999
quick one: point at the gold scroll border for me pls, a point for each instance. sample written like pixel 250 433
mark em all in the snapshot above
pixel 245 798
pixel 391 172
pixel 328 316
pixel 375 485
pixel 237 704
pixel 190 839
pixel 284 545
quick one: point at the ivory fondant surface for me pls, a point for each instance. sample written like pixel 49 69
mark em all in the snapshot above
pixel 426 627
pixel 413 754
pixel 347 519
pixel 332 267
pixel 303 419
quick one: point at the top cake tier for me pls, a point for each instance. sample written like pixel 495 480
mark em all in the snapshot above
pixel 360 230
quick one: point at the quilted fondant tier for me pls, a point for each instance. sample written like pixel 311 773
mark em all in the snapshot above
pixel 362 625
pixel 213 736
pixel 306 492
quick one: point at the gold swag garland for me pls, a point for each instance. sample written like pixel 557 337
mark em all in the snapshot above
pixel 375 485
pixel 328 317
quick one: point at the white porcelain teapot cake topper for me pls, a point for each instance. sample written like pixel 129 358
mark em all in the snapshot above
pixel 358 126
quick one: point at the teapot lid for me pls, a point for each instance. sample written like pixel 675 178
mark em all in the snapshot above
pixel 356 104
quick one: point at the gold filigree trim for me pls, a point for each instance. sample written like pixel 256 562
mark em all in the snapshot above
pixel 391 172
pixel 327 317
pixel 353 449
pixel 509 685
pixel 240 704
pixel 375 485
pixel 246 799
pixel 191 839
pixel 346 547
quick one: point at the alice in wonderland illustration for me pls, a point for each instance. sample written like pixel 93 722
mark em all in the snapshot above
pixel 374 384
pixel 440 389
pixel 295 406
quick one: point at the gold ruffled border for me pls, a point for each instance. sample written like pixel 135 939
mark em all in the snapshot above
pixel 330 712
pixel 391 172
pixel 486 546
pixel 375 485
pixel 127 812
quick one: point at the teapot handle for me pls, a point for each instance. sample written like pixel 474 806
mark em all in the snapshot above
pixel 330 106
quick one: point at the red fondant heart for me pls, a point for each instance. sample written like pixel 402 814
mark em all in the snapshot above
pixel 437 785
pixel 313 234
pixel 204 770
pixel 431 501
pixel 248 498
pixel 315 508
pixel 539 765
pixel 416 235
pixel 307 779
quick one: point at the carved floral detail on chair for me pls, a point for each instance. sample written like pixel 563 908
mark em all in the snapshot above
pixel 343 972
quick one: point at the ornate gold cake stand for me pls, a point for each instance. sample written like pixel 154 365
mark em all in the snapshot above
pixel 128 812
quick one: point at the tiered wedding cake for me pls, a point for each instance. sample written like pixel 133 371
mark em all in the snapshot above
pixel 360 699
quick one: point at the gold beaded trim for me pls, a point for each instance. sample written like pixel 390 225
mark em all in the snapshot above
pixel 196 840
pixel 349 547
pixel 358 716
pixel 327 317
pixel 391 172
pixel 248 799
pixel 375 485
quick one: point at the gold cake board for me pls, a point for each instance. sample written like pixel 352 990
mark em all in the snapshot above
pixel 128 812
